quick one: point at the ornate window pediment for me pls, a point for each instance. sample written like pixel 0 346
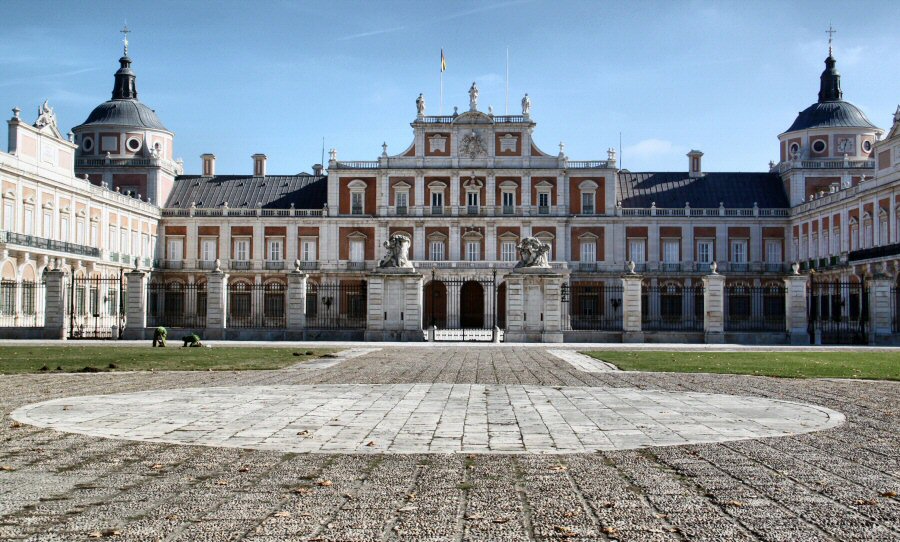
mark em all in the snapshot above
pixel 357 236
pixel 588 236
pixel 508 236
pixel 588 185
pixel 544 185
pixel 357 184
pixel 436 236
pixel 437 143
pixel 473 235
pixel 437 186
pixel 508 185
pixel 546 236
pixel 402 185
pixel 473 184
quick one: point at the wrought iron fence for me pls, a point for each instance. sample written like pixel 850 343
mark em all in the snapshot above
pixel 752 308
pixel 462 308
pixel 895 309
pixel 174 304
pixel 338 305
pixel 839 312
pixel 22 303
pixel 97 308
pixel 256 305
pixel 594 306
pixel 672 307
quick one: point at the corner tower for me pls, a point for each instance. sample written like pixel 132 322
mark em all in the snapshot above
pixel 124 145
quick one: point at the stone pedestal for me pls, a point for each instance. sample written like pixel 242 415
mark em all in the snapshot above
pixel 714 308
pixel 216 305
pixel 55 305
pixel 136 305
pixel 296 305
pixel 534 309
pixel 394 305
pixel 879 308
pixel 632 309
pixel 796 312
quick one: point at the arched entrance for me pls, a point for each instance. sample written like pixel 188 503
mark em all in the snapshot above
pixel 501 306
pixel 435 304
pixel 471 302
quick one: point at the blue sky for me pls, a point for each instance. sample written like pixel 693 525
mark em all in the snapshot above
pixel 235 78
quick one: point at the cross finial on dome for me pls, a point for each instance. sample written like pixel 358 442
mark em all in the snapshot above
pixel 831 32
pixel 125 33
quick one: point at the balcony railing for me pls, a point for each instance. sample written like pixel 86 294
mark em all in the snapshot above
pixel 356 266
pixel 206 264
pixel 702 267
pixel 588 266
pixel 170 264
pixel 12 238
pixel 670 266
pixel 437 210
pixel 241 265
pixel 274 265
pixel 736 267
pixel 774 267
pixel 473 210
pixel 309 266
pixel 401 210
pixel 356 210
pixel 543 209
pixel 587 210
pixel 874 252
pixel 509 209
pixel 114 257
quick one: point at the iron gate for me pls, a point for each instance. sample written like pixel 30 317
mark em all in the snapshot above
pixel 839 312
pixel 97 307
pixel 461 308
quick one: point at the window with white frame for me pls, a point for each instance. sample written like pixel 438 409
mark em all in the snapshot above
pixel 401 201
pixel 174 248
pixel 47 228
pixel 836 241
pixel 882 228
pixel 671 249
pixel 123 240
pixel 854 236
pixel 437 250
pixel 796 245
pixel 804 247
pixel 135 245
pixel 543 200
pixel 588 249
pixel 9 215
pixel 544 197
pixel 739 251
pixel 242 249
pixel 814 246
pixel 868 234
pixel 587 203
pixel 112 241
pixel 773 251
pixel 357 250
pixel 472 199
pixel 473 250
pixel 275 249
pixel 826 244
pixel 95 234
pixel 208 246
pixel 637 250
pixel 145 245
pixel 79 231
pixel 508 251
pixel 357 196
pixel 437 200
pixel 308 250
pixel 64 229
pixel 705 250
pixel 29 220
pixel 508 199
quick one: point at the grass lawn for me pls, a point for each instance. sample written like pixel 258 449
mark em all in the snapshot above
pixel 876 365
pixel 41 359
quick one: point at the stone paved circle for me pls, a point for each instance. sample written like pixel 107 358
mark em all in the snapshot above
pixel 427 418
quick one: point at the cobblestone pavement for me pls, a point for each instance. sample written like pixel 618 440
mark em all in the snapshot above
pixel 839 484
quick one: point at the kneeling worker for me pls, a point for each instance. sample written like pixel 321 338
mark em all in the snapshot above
pixel 159 337
pixel 191 340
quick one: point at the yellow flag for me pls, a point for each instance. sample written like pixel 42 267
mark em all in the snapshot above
pixel 443 62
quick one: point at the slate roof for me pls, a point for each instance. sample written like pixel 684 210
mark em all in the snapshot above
pixel 244 191
pixel 831 115
pixel 129 112
pixel 671 190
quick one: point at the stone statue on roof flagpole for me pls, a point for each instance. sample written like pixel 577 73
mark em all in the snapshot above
pixel 473 97
pixel 420 106
pixel 526 106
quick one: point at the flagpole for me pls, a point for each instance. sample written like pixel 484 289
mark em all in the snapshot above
pixel 507 81
pixel 442 93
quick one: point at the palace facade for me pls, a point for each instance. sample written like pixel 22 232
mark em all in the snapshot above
pixel 254 254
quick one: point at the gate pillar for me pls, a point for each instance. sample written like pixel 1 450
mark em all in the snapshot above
pixel 55 298
pixel 632 317
pixel 714 308
pixel 796 312
pixel 135 305
pixel 216 304
pixel 395 308
pixel 534 306
pixel 880 307
pixel 296 304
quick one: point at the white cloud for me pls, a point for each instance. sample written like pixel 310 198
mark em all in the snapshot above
pixel 652 154
pixel 651 148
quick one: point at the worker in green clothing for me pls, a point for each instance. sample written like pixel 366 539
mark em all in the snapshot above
pixel 159 337
pixel 191 340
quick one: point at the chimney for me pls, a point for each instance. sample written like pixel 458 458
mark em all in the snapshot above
pixel 209 165
pixel 259 165
pixel 317 169
pixel 694 164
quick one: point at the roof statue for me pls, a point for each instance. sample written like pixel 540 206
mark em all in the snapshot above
pixel 526 106
pixel 420 106
pixel 46 116
pixel 397 256
pixel 473 97
pixel 533 253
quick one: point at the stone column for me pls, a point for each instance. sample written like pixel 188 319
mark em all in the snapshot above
pixel 296 304
pixel 796 312
pixel 216 304
pixel 631 309
pixel 534 305
pixel 135 305
pixel 55 303
pixel 879 308
pixel 394 305
pixel 714 308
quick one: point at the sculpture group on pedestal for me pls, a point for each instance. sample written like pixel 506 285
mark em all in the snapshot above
pixel 397 256
pixel 533 253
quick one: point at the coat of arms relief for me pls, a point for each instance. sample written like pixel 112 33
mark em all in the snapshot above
pixel 473 146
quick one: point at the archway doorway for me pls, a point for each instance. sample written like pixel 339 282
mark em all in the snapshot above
pixel 501 306
pixel 471 302
pixel 435 304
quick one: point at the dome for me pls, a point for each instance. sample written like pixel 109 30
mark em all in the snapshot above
pixel 124 113
pixel 831 115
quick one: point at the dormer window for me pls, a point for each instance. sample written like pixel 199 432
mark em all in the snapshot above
pixel 357 197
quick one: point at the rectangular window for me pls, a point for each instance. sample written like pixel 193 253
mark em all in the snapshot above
pixel 739 251
pixel 174 249
pixel 587 203
pixel 275 250
pixel 868 235
pixel 437 203
pixel 544 202
pixel 9 217
pixel 79 231
pixel 357 250
pixel 472 199
pixel 773 251
pixel 123 240
pixel 508 251
pixel 437 251
pixel 308 250
pixel 113 240
pixel 473 251
pixel 29 221
pixel 242 249
pixel 47 229
pixel 704 251
pixel 854 237
pixel 356 203
pixel 836 241
pixel 509 202
pixel 208 250
pixel 135 246
pixel 589 251
pixel 814 246
pixel 64 229
pixel 671 251
pixel 145 243
pixel 402 200
pixel 826 246
pixel 637 250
